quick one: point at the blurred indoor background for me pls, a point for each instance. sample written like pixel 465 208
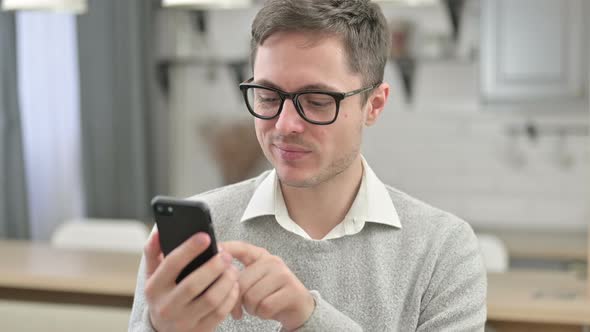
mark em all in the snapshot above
pixel 106 103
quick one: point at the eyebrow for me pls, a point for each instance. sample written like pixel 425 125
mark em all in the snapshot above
pixel 317 86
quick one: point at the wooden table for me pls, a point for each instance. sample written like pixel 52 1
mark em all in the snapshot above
pixel 38 272
pixel 527 244
pixel 537 301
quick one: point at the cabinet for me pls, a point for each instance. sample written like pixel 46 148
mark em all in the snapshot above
pixel 533 50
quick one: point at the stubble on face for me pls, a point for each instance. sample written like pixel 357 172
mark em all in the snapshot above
pixel 336 167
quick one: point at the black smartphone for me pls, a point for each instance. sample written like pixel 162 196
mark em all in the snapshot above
pixel 177 221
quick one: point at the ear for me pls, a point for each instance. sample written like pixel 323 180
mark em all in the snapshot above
pixel 376 103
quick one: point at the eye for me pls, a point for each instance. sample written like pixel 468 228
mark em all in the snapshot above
pixel 316 101
pixel 267 99
pixel 319 103
pixel 266 96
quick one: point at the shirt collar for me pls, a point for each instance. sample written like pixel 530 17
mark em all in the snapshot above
pixel 372 203
pixel 262 202
pixel 380 208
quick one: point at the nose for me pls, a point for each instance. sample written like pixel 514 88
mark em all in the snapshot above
pixel 289 121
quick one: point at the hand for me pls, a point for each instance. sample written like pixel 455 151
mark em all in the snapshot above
pixel 176 307
pixel 268 288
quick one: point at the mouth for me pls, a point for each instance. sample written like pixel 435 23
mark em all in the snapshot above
pixel 289 152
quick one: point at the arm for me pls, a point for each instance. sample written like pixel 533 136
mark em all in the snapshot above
pixel 139 319
pixel 327 318
pixel 270 290
pixel 455 299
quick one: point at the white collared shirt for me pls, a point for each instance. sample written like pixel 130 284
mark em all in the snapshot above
pixel 372 204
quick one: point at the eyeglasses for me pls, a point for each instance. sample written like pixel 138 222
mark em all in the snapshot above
pixel 314 106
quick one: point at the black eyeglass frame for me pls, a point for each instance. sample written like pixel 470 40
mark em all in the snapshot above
pixel 294 96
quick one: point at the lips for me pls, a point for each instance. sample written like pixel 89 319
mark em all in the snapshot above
pixel 290 148
pixel 290 152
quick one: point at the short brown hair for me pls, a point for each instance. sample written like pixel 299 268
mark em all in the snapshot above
pixel 360 24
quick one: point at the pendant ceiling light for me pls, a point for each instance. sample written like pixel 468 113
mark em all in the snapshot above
pixel 207 4
pixel 410 2
pixel 68 6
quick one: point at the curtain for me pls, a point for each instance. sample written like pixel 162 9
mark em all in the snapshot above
pixel 116 75
pixel 14 219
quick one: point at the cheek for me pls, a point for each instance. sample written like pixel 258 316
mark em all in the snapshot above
pixel 332 139
pixel 348 133
pixel 260 127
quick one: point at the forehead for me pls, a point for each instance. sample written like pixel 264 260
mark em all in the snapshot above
pixel 292 59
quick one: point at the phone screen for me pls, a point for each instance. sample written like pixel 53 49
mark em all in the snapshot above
pixel 177 221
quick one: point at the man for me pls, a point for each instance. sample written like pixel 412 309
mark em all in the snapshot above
pixel 324 245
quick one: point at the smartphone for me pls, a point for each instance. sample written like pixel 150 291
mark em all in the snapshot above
pixel 177 221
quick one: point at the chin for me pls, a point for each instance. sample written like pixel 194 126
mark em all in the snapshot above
pixel 295 177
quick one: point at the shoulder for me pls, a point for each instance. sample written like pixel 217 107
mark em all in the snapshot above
pixel 426 221
pixel 228 203
pixel 446 246
pixel 237 191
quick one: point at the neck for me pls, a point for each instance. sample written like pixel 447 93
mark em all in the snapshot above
pixel 318 209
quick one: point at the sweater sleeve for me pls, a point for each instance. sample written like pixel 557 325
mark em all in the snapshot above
pixel 327 318
pixel 139 320
pixel 455 298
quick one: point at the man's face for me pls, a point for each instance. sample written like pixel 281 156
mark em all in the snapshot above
pixel 305 154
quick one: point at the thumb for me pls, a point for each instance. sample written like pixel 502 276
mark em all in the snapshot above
pixel 153 253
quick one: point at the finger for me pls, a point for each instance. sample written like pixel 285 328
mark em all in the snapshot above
pixel 219 313
pixel 252 274
pixel 237 312
pixel 166 274
pixel 274 304
pixel 196 282
pixel 266 286
pixel 152 253
pixel 179 302
pixel 215 295
pixel 244 252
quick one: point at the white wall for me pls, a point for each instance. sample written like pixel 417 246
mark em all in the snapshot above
pixel 456 155
pixel 461 159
